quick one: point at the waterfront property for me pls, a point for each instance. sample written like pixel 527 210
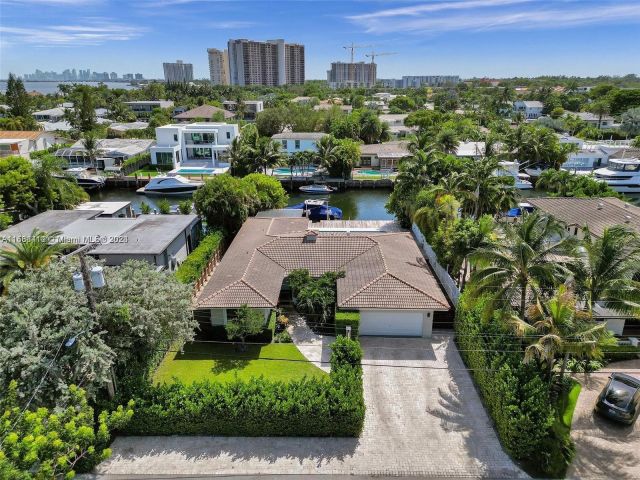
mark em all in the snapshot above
pixel 387 279
pixel 202 113
pixel 198 145
pixel 474 150
pixel 51 115
pixel 143 108
pixel 162 240
pixel 383 155
pixel 112 152
pixel 531 109
pixel 293 142
pixel 23 142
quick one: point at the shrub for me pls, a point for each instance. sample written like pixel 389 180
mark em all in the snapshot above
pixel 191 269
pixel 164 206
pixel 345 351
pixel 185 207
pixel 145 208
pixel 514 393
pixel 343 319
pixel 618 353
pixel 326 406
pixel 282 337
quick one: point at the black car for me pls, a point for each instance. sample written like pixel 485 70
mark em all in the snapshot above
pixel 620 399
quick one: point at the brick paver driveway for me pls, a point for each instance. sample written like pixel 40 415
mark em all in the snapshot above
pixel 603 449
pixel 423 418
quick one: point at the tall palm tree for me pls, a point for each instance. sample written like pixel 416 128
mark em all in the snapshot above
pixel 237 154
pixel 18 257
pixel 326 151
pixel 557 328
pixel 91 147
pixel 561 153
pixel 421 141
pixel 370 128
pixel 605 267
pixel 266 154
pixel 482 191
pixel 444 210
pixel 447 141
pixel 520 262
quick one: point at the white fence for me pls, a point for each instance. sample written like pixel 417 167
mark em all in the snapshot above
pixel 446 281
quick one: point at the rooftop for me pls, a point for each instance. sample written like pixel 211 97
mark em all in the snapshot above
pixel 125 146
pixel 595 213
pixel 203 111
pixel 470 149
pixel 122 127
pixel 397 149
pixel 107 208
pixel 19 135
pixel 382 270
pixel 531 103
pixel 299 136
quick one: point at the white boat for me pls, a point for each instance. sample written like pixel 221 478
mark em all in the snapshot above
pixel 170 185
pixel 621 174
pixel 512 169
pixel 316 189
pixel 84 178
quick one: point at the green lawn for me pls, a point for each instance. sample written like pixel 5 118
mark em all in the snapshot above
pixel 145 172
pixel 222 362
pixel 566 406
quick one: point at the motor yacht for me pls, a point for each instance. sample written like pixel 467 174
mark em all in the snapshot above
pixel 621 174
pixel 83 177
pixel 170 185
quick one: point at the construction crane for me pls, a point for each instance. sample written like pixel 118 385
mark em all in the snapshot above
pixel 352 48
pixel 373 55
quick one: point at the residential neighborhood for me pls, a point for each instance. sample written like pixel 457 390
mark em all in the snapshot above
pixel 338 239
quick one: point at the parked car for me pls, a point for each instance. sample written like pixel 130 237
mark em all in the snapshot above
pixel 620 399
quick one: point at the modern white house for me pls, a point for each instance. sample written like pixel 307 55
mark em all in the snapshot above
pixel 604 122
pixel 23 143
pixel 532 109
pixel 143 108
pixel 293 142
pixel 251 108
pixel 195 144
pixel 395 121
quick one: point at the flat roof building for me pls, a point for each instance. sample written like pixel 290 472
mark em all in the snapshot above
pixel 178 72
pixel 272 62
pixel 352 75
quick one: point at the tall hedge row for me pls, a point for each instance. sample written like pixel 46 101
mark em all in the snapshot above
pixel 332 406
pixel 515 394
pixel 191 269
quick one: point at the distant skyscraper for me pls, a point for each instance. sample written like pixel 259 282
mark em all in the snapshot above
pixel 218 66
pixel 178 72
pixel 416 81
pixel 272 62
pixel 349 75
pixel 127 76
pixel 113 76
pixel 139 76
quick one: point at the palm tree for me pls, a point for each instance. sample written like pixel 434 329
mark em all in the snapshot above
pixel 557 182
pixel 420 141
pixel 557 328
pixel 91 147
pixel 18 257
pixel 600 108
pixel 266 154
pixel 326 151
pixel 484 192
pixel 519 262
pixel 560 154
pixel 444 210
pixel 604 270
pixel 236 154
pixel 447 141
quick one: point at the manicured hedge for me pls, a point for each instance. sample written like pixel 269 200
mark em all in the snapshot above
pixel 514 393
pixel 618 353
pixel 191 269
pixel 332 406
pixel 347 318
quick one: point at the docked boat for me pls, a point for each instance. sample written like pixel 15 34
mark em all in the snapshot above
pixel 512 169
pixel 318 209
pixel 84 178
pixel 170 185
pixel 317 189
pixel 621 174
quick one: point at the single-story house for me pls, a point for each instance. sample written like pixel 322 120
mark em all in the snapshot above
pixel 24 142
pixel 118 129
pixel 143 108
pixel 383 155
pixel 387 279
pixel 304 100
pixel 162 240
pixel 293 142
pixel 202 113
pixel 473 150
pixel 605 122
pixel 112 152
pixel 50 115
pixel 325 105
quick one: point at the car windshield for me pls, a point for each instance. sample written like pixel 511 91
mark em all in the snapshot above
pixel 620 393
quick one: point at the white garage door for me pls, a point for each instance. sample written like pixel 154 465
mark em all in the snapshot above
pixel 391 323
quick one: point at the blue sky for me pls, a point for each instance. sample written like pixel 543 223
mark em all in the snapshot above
pixel 466 37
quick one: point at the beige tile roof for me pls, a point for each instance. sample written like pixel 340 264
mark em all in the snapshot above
pixel 20 134
pixel 382 270
pixel 203 111
pixel 386 150
pixel 596 213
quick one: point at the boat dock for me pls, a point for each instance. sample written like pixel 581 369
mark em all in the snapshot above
pixel 339 184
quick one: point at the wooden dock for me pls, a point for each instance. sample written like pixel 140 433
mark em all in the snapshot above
pixel 339 184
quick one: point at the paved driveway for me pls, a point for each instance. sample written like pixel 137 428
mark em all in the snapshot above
pixel 423 418
pixel 603 449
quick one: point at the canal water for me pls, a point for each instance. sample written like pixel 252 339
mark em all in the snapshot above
pixel 362 204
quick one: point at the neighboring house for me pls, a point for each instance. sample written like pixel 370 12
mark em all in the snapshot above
pixel 202 113
pixel 586 160
pixel 532 109
pixel 606 122
pixel 387 279
pixel 118 129
pixel 325 105
pixel 206 144
pixel 386 97
pixel 397 128
pixel 475 150
pixel 304 100
pixel 112 152
pixel 251 108
pixel 51 115
pixel 383 155
pixel 293 142
pixel 162 240
pixel 23 143
pixel 143 108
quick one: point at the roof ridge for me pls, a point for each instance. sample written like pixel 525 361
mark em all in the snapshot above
pixel 416 288
pixel 365 286
pixel 256 290
pixel 376 244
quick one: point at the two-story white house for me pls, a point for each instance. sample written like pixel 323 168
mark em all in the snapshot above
pixel 293 142
pixel 200 144
pixel 143 108
pixel 532 109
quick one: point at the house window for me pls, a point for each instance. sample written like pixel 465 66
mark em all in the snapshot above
pixel 164 158
pixel 284 144
pixel 228 135
pixel 175 137
pixel 365 161
pixel 297 144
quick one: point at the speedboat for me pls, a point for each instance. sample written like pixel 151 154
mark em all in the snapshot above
pixel 168 185
pixel 621 174
pixel 84 178
pixel 512 169
pixel 518 211
pixel 318 209
pixel 316 189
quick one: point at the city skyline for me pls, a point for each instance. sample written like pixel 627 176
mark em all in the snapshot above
pixel 495 38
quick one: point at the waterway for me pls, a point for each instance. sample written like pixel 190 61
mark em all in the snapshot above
pixel 46 88
pixel 362 204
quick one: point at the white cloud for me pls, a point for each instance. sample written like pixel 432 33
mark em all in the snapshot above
pixel 230 24
pixel 91 32
pixel 421 18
